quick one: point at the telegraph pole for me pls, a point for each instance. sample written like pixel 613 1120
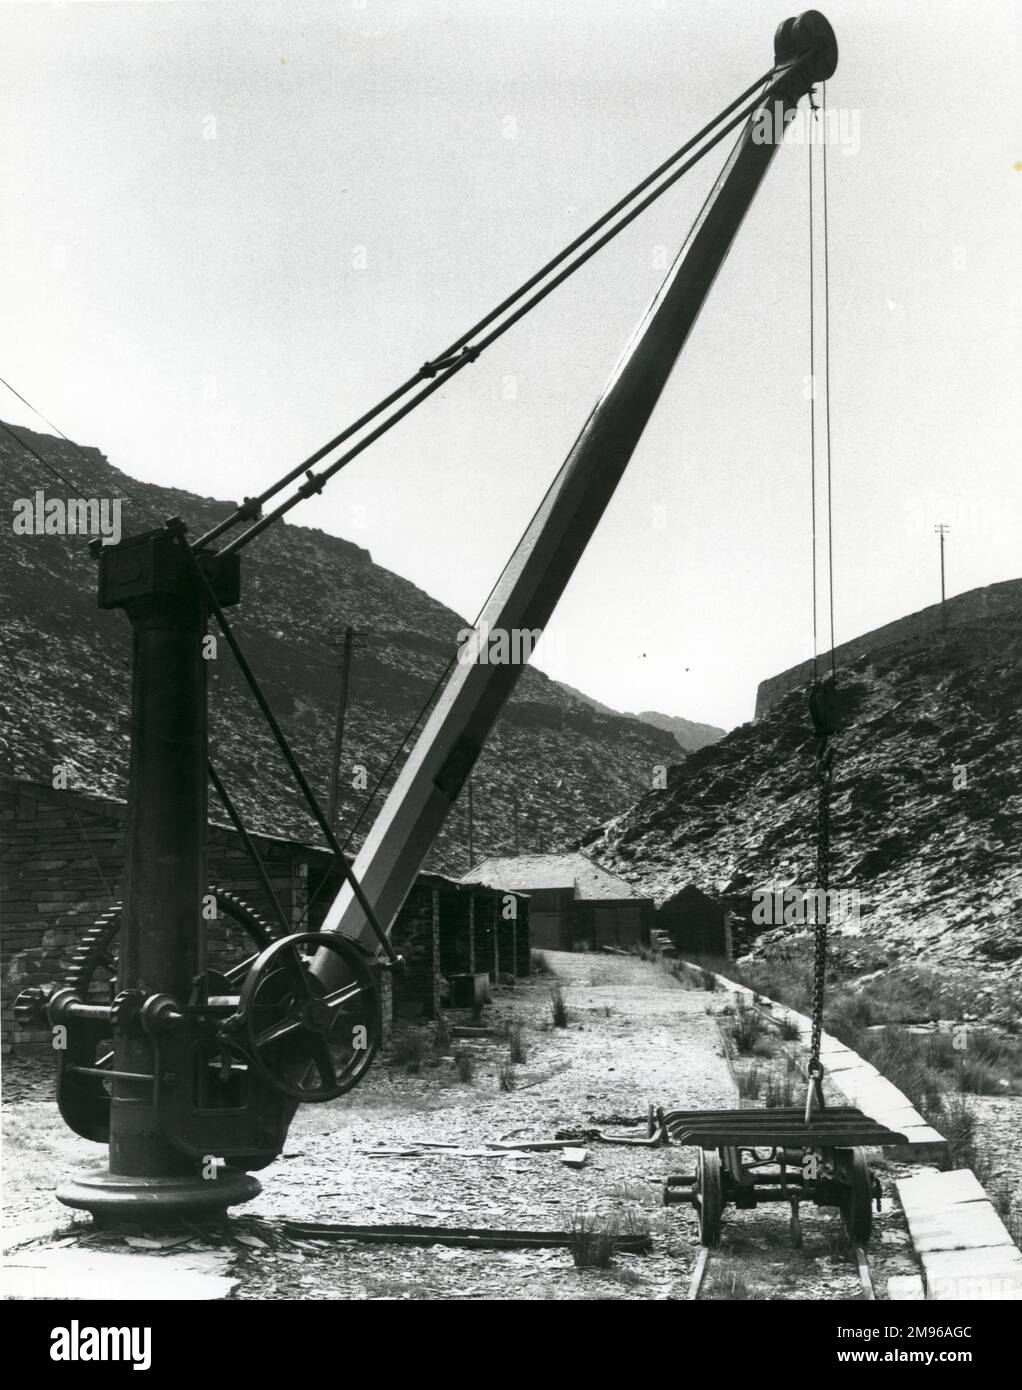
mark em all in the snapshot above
pixel 942 531
pixel 515 809
pixel 342 705
pixel 471 828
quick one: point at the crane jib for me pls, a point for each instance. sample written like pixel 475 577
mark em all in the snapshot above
pixel 548 553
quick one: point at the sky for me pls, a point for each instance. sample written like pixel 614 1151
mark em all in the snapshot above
pixel 228 228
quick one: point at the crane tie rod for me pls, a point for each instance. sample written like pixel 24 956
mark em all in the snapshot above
pixel 461 352
pixel 176 528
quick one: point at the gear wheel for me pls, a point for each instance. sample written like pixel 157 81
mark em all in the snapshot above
pixel 96 953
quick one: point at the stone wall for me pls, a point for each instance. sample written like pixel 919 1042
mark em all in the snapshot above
pixel 472 937
pixel 62 865
pixel 977 621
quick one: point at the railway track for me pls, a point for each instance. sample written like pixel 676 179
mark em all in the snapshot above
pixel 708 1258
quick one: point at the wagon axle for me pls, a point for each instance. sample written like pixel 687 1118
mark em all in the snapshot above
pixel 748 1157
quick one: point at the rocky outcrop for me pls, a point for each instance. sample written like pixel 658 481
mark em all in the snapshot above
pixel 980 619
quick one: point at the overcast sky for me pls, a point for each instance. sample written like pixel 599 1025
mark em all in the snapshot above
pixel 230 227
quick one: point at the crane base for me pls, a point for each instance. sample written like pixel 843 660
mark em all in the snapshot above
pixel 112 1198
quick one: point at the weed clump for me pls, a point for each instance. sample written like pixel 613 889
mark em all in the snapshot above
pixel 408 1052
pixel 750 1082
pixel 593 1239
pixel 746 1030
pixel 558 1008
pixel 780 1091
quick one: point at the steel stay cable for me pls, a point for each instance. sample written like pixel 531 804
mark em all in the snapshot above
pixel 38 456
pixel 431 367
pixel 826 373
pixel 822 693
pixel 315 482
pixel 380 781
pixel 812 407
pixel 67 439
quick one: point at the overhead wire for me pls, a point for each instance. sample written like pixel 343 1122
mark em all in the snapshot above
pixel 67 439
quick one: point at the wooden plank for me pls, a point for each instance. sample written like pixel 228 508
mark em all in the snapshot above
pixel 698 1273
pixel 865 1278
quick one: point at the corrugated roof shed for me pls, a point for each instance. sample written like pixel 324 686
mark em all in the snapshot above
pixel 536 872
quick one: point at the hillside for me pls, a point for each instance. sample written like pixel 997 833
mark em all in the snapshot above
pixel 570 765
pixel 927 811
pixel 688 734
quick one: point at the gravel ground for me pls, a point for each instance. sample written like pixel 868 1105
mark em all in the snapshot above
pixel 635 1037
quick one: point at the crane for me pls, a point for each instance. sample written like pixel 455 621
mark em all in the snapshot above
pixel 192 1073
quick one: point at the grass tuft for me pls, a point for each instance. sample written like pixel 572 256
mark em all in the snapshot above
pixel 593 1239
pixel 558 1008
pixel 746 1030
pixel 780 1091
pixel 750 1081
pixel 517 1049
pixel 538 964
pixel 727 1285
pixel 408 1051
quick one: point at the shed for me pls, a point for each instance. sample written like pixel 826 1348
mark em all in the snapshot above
pixel 573 900
pixel 698 924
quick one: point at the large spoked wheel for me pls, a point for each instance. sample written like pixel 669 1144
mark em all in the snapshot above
pixel 708 1197
pixel 856 1199
pixel 311 1037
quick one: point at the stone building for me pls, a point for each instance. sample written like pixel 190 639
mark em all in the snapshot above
pixel 573 901
pixel 62 867
pixel 697 924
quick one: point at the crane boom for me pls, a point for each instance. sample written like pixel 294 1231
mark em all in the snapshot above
pixel 538 571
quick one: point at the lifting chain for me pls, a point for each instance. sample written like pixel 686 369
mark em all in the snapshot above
pixel 823 713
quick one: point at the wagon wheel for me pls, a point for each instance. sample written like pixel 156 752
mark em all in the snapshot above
pixel 856 1198
pixel 708 1196
pixel 93 972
